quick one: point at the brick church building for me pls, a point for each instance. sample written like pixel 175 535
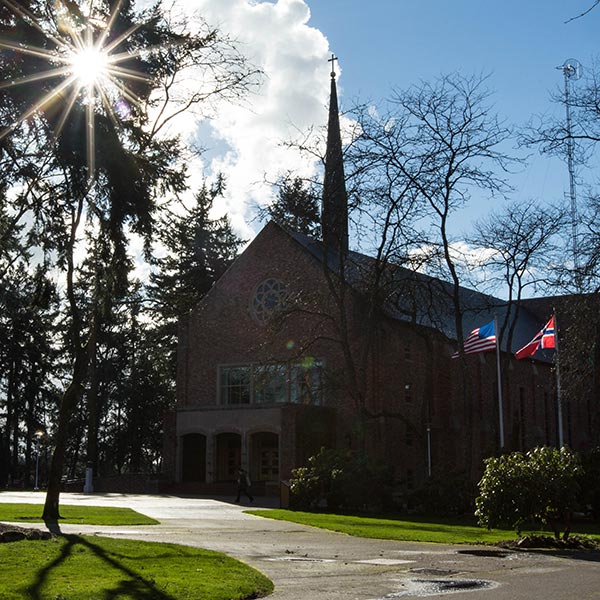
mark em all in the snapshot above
pixel 289 353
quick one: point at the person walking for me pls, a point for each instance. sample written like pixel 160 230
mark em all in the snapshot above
pixel 243 483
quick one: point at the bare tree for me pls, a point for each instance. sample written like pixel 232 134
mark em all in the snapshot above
pixel 552 133
pixel 574 138
pixel 410 168
pixel 585 12
pixel 520 248
pixel 590 244
pixel 439 146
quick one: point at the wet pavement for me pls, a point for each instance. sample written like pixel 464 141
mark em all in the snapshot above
pixel 306 563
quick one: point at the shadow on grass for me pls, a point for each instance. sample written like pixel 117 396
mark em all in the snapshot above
pixel 132 585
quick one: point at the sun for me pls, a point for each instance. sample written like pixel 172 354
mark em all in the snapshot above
pixel 90 66
pixel 85 64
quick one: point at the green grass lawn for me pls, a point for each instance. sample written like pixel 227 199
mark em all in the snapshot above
pixel 80 515
pixel 414 529
pixel 75 567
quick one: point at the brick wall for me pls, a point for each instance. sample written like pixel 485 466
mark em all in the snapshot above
pixel 223 331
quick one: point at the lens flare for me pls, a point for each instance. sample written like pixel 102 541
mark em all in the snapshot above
pixel 90 66
pixel 84 60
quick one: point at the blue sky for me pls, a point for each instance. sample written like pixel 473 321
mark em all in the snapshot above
pixel 384 44
pixel 387 43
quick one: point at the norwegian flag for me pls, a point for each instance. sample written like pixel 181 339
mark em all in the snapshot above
pixel 544 339
pixel 482 339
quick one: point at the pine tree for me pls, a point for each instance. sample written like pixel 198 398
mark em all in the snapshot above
pixel 199 250
pixel 296 207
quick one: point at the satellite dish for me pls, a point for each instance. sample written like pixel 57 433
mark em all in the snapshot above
pixel 571 68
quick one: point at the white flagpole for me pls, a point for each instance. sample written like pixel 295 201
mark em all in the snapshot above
pixel 500 404
pixel 558 388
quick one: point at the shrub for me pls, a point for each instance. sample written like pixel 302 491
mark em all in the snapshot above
pixel 538 487
pixel 444 496
pixel 339 478
pixel 590 482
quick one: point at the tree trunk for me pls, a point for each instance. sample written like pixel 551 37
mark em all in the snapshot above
pixel 67 406
pixel 12 422
pixel 93 417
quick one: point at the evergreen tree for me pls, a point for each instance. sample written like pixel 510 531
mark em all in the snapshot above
pixel 29 367
pixel 199 250
pixel 83 148
pixel 296 207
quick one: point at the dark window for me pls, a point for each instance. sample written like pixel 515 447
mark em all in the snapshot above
pixel 270 384
pixel 269 297
pixel 299 383
pixel 307 385
pixel 235 385
pixel 547 413
pixel 522 418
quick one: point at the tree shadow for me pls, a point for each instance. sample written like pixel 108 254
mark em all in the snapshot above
pixel 133 585
pixel 582 554
pixel 53 527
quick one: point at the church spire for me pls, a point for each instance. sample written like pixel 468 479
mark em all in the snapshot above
pixel 334 212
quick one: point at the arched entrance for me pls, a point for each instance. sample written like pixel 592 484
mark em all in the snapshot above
pixel 193 457
pixel 264 463
pixel 229 456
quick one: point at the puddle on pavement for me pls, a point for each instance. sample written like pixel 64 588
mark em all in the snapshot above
pixel 432 587
pixel 386 562
pixel 486 552
pixel 433 572
pixel 383 561
pixel 301 559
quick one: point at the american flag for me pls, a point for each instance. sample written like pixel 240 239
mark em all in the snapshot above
pixel 482 339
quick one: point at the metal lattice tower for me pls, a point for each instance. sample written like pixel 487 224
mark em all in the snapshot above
pixel 571 70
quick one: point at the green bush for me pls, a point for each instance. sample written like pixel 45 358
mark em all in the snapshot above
pixel 538 487
pixel 590 482
pixel 443 496
pixel 304 489
pixel 339 479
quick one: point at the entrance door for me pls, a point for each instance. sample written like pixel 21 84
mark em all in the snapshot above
pixel 193 457
pixel 265 456
pixel 229 456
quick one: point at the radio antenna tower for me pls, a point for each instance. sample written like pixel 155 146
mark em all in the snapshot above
pixel 571 69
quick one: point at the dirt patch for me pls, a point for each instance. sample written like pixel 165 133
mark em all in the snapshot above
pixel 13 533
pixel 574 542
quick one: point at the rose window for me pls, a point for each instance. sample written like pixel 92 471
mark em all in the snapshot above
pixel 269 297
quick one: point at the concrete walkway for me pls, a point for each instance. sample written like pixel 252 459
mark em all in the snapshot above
pixel 307 563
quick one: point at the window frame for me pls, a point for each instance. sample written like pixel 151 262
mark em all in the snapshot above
pixel 293 395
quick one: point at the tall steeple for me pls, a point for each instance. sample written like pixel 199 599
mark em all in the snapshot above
pixel 334 210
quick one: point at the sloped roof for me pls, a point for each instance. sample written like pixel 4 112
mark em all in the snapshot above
pixel 424 300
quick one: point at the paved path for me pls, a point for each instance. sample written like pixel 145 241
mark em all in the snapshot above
pixel 310 564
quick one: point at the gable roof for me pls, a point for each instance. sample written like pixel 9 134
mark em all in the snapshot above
pixel 414 297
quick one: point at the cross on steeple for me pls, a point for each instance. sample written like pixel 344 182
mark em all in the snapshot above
pixel 332 61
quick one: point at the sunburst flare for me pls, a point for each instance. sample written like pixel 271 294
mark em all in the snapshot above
pixel 83 65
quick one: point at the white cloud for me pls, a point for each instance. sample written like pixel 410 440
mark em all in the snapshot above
pixel 428 258
pixel 246 140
